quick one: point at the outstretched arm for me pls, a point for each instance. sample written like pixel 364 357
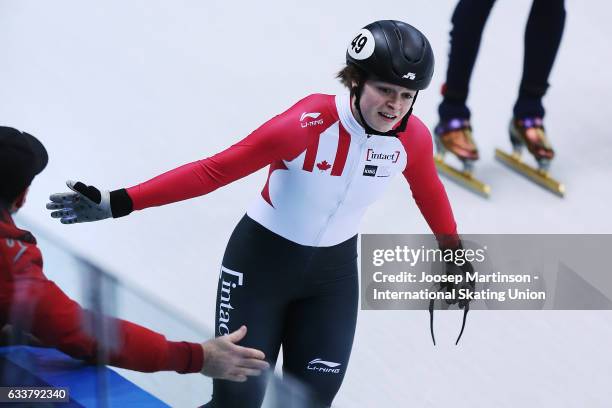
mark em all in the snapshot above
pixel 279 138
pixel 41 309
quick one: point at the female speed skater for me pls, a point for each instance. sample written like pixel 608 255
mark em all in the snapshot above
pixel 289 270
pixel 542 38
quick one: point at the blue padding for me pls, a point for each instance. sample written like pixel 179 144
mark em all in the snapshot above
pixel 89 385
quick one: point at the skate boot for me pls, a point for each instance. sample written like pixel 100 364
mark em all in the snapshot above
pixel 455 136
pixel 530 133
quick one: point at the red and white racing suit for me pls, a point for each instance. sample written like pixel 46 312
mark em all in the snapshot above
pixel 289 271
pixel 324 173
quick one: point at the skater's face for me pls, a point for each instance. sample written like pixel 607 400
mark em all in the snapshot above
pixel 383 104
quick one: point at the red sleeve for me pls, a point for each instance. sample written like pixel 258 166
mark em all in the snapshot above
pixel 277 139
pixel 42 309
pixel 427 189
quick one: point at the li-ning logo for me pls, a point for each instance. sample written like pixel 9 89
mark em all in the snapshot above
pixel 410 75
pixel 371 155
pixel 323 366
pixel 229 279
pixel 312 115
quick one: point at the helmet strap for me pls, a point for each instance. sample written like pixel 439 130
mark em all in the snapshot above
pixel 369 130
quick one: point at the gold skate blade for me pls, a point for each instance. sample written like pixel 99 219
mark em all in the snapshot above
pixel 538 176
pixel 462 178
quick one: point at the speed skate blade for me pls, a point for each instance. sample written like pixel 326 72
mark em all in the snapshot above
pixel 463 178
pixel 540 177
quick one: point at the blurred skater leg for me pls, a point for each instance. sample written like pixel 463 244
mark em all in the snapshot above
pixel 468 20
pixel 542 38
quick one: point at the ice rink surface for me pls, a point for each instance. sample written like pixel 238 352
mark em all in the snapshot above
pixel 121 91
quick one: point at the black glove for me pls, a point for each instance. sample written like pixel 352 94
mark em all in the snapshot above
pixel 459 267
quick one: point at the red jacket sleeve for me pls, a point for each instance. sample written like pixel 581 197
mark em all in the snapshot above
pixel 427 189
pixel 270 142
pixel 29 299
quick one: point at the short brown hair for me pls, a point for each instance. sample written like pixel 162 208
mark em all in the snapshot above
pixel 351 74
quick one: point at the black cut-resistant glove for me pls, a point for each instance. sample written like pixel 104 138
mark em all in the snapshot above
pixel 458 266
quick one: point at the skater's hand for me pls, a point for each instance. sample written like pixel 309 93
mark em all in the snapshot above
pixel 83 204
pixel 458 267
pixel 224 359
pixel 87 203
pixel 467 286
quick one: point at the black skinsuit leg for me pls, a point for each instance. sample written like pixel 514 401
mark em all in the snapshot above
pixel 302 297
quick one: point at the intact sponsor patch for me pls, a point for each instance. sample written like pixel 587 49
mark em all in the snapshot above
pixel 372 155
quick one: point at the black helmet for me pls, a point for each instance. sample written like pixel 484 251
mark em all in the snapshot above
pixel 22 157
pixel 394 52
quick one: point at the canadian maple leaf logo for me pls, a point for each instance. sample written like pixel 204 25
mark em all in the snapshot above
pixel 324 165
